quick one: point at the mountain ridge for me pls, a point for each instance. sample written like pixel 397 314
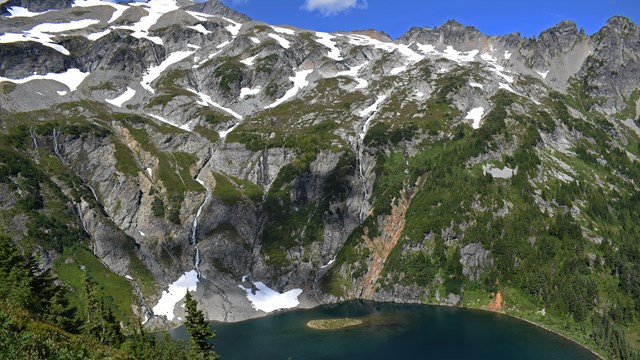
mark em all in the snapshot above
pixel 211 152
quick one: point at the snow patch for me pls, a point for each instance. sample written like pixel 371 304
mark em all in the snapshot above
pixel 199 28
pixel 98 35
pixel 459 57
pixel 17 11
pixel 126 96
pixel 205 100
pixel 244 92
pixel 282 41
pixel 249 61
pixel 398 70
pixel 283 30
pixel 506 87
pixel 186 127
pixel 353 72
pixel 155 9
pixel 175 293
pixel 255 40
pixel 72 78
pixel 326 39
pixel 155 71
pixel 128 277
pixel 476 85
pixel 476 115
pixel 234 28
pixel 543 74
pixel 269 300
pixel 371 109
pixel 42 33
pixel 370 112
pixel 507 55
pixel 62 93
pixel 119 9
pixel 141 233
pixel 299 82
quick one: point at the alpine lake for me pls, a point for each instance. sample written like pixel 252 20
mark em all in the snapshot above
pixel 390 331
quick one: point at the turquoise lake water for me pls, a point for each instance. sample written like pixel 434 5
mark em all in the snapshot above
pixel 390 331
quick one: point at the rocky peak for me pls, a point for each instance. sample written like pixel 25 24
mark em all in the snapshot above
pixel 451 33
pixel 561 37
pixel 216 7
pixel 36 5
pixel 372 33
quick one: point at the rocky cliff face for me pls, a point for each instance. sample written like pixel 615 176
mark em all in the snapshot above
pixel 347 165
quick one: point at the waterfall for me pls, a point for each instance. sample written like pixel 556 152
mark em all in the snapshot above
pixel 370 112
pixel 56 149
pixel 84 226
pixel 33 137
pixel 194 229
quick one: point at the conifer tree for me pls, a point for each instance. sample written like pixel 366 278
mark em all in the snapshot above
pixel 199 330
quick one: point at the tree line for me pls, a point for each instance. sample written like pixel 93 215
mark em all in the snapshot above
pixel 37 321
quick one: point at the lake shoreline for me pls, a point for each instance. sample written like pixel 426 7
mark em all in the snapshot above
pixel 556 332
pixel 308 306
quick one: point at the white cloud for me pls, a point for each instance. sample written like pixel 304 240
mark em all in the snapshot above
pixel 332 7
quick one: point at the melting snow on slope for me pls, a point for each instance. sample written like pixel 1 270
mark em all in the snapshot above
pixel 459 57
pixel 205 100
pixel 476 85
pixel 98 35
pixel 255 40
pixel 199 28
pixel 353 72
pixel 269 300
pixel 507 55
pixel 282 41
pixel 175 293
pixel 17 11
pixel 155 71
pixel 119 9
pixel 326 39
pixel 185 127
pixel 370 111
pixel 299 82
pixel 42 33
pixel 244 92
pixel 234 28
pixel 155 10
pixel 411 57
pixel 126 96
pixel 283 30
pixel 398 70
pixel 72 78
pixel 199 16
pixel 543 74
pixel 476 115
pixel 249 61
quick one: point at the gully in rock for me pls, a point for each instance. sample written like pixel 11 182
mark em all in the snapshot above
pixel 194 229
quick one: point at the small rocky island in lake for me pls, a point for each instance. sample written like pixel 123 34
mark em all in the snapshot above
pixel 333 324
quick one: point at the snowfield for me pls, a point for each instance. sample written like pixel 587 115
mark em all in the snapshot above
pixel 175 293
pixel 269 300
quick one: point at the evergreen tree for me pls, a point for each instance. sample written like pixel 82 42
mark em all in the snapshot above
pixel 199 330
pixel 92 323
pixel 62 314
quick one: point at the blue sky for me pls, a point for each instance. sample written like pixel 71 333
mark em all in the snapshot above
pixel 492 17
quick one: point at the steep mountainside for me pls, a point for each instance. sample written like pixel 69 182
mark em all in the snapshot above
pixel 183 145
